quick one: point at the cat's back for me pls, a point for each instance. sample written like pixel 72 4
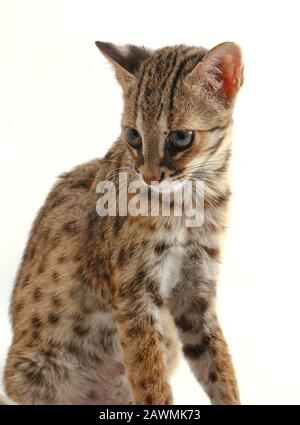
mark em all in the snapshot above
pixel 54 252
pixel 65 209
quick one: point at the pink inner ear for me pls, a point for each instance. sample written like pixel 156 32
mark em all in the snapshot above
pixel 231 68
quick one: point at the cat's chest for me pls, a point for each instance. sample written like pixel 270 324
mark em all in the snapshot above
pixel 169 258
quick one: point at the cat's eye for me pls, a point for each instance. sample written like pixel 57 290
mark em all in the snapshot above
pixel 181 139
pixel 133 137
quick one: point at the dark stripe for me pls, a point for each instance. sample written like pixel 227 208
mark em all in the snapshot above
pixel 164 84
pixel 150 70
pixel 211 151
pixel 139 89
pixel 218 127
pixel 177 76
pixel 179 171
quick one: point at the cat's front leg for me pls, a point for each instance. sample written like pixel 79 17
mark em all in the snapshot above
pixel 206 350
pixel 138 317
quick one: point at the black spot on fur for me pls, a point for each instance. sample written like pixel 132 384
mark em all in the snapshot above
pixel 81 331
pixel 206 340
pixel 140 275
pixel 194 351
pixel 62 259
pixel 211 252
pixel 184 324
pixel 35 377
pixel 47 353
pixel 56 301
pixel 26 281
pixel 152 226
pixel 92 395
pixel 55 276
pixel 70 227
pixel 106 277
pixel 195 255
pixel 42 267
pixel 149 399
pixel 81 184
pixel 121 257
pixel 73 349
pixel 53 318
pixel 36 321
pixel 117 225
pixel 157 299
pixel 92 220
pixel 19 307
pixel 160 248
pixel 37 294
pixel 213 377
pixel 24 333
pixel 35 335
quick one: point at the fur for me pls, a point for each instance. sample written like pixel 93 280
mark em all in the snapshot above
pixel 102 305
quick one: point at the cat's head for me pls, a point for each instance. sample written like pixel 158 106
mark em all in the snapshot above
pixel 178 103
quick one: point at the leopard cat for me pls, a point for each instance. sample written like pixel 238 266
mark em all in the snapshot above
pixel 102 305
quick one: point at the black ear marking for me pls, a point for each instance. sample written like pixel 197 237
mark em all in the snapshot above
pixel 129 57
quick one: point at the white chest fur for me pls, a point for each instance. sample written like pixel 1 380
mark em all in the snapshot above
pixel 169 268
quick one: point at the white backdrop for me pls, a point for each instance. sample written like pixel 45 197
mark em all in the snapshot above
pixel 60 106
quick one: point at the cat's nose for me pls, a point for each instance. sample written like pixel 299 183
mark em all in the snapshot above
pixel 151 181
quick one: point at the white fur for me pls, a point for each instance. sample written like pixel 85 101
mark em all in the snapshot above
pixel 169 270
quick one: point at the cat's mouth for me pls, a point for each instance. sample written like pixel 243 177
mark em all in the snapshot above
pixel 164 184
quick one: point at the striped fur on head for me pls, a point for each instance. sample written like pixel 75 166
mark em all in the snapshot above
pixel 178 88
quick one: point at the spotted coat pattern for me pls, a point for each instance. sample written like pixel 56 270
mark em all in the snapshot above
pixel 102 305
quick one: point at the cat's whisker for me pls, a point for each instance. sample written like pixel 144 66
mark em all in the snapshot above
pixel 117 171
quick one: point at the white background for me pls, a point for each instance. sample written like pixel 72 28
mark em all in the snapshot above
pixel 60 106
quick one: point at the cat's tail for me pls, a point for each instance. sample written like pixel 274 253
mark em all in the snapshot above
pixel 5 400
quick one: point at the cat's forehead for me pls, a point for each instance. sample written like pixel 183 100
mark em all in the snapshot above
pixel 159 98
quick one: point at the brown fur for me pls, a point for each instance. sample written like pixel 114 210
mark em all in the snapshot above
pixel 98 299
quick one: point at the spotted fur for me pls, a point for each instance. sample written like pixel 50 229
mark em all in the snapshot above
pixel 102 305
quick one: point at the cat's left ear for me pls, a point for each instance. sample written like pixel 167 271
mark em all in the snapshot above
pixel 221 70
pixel 126 60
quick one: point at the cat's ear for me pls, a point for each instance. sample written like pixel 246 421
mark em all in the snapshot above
pixel 221 70
pixel 126 60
